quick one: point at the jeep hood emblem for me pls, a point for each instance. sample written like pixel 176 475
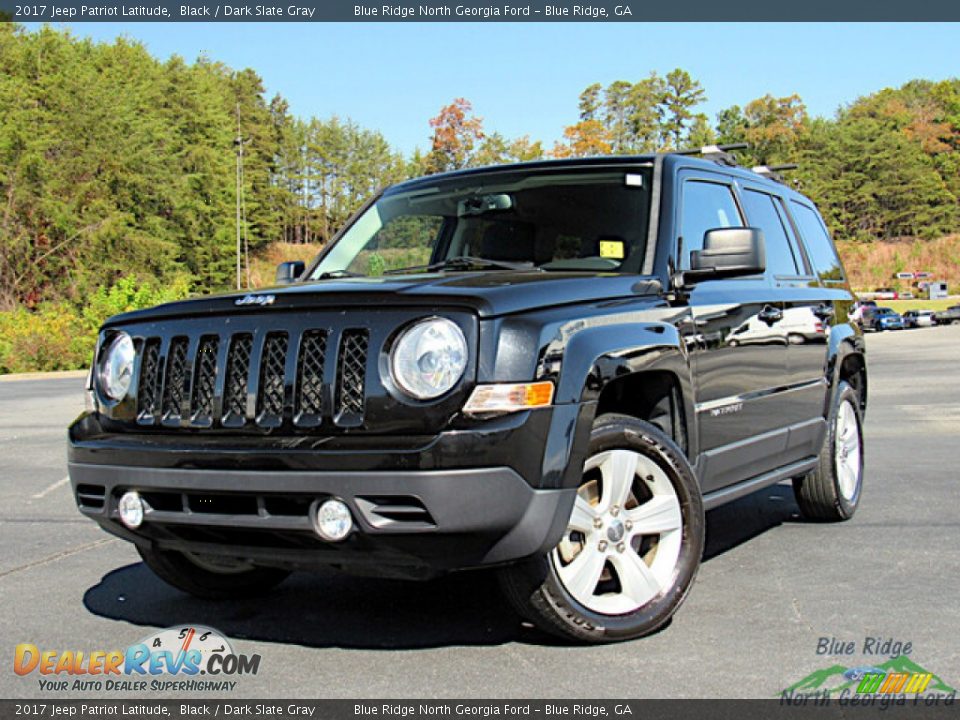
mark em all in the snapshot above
pixel 255 300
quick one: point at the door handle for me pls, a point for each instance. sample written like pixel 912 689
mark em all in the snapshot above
pixel 824 311
pixel 770 315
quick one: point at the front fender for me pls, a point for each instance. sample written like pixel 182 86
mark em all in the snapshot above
pixel 596 355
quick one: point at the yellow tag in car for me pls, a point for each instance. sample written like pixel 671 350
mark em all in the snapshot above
pixel 612 249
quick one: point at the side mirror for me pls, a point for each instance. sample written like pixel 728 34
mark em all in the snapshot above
pixel 728 252
pixel 289 272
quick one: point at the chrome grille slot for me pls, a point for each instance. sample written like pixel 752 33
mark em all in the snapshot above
pixel 205 379
pixel 235 387
pixel 310 364
pixel 270 395
pixel 351 377
pixel 174 388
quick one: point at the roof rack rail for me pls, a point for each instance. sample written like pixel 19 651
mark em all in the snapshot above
pixel 772 172
pixel 718 153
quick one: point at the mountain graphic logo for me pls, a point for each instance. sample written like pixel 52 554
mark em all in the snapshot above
pixel 898 674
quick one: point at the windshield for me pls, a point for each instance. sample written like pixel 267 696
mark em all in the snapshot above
pixel 536 221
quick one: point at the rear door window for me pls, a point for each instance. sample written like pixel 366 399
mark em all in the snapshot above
pixel 762 214
pixel 819 246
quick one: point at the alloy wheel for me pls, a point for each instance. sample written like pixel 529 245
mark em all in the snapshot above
pixel 847 450
pixel 622 544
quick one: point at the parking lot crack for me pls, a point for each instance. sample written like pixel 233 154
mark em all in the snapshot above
pixel 57 556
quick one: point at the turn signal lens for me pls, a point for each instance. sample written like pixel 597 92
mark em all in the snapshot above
pixel 487 399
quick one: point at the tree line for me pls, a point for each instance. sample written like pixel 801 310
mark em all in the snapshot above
pixel 116 164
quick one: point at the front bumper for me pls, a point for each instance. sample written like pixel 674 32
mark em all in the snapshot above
pixel 462 499
pixel 408 524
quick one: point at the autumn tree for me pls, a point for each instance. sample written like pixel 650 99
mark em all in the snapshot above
pixel 585 138
pixel 456 134
pixel 774 126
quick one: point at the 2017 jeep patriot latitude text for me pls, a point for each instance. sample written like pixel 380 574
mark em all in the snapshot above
pixel 553 368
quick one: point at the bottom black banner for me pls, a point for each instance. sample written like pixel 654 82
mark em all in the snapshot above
pixel 784 707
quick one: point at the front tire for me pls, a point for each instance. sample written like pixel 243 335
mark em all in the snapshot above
pixel 632 546
pixel 831 493
pixel 211 578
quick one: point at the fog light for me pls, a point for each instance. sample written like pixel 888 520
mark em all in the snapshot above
pixel 130 508
pixel 333 520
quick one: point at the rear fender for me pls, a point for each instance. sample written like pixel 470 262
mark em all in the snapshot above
pixel 844 341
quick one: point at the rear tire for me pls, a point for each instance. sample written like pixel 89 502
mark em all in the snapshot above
pixel 831 493
pixel 209 578
pixel 632 547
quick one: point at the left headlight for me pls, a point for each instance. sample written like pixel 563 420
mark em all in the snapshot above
pixel 116 367
pixel 429 358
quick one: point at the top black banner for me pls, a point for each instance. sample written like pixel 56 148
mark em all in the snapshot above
pixel 74 11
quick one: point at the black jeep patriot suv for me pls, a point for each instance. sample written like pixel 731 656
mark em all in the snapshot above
pixel 552 368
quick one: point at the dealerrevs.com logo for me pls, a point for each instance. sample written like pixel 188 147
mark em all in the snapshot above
pixel 182 658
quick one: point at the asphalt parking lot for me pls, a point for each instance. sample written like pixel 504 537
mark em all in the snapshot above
pixel 772 585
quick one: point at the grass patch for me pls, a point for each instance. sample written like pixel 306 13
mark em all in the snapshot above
pixel 902 306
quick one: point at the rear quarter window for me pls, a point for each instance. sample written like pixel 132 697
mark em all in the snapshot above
pixel 819 246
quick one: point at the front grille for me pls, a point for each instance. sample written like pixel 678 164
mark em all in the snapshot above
pixel 148 398
pixel 270 397
pixel 352 372
pixel 174 388
pixel 238 372
pixel 313 355
pixel 204 384
pixel 206 380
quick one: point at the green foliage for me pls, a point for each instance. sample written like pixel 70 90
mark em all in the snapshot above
pixel 376 265
pixel 127 295
pixel 52 337
pixel 113 162
pixel 118 174
pixel 870 173
pixel 58 336
pixel 654 113
pixel 681 93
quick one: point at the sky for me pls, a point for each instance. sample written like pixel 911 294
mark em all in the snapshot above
pixel 524 78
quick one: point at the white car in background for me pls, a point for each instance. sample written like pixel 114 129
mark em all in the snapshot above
pixel 919 318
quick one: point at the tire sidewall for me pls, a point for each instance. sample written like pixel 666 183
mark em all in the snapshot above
pixel 630 434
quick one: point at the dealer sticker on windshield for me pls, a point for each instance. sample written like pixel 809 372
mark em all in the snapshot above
pixel 611 249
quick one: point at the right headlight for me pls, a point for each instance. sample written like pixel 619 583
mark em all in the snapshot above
pixel 115 372
pixel 429 358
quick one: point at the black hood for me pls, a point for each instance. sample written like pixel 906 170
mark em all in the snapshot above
pixel 488 293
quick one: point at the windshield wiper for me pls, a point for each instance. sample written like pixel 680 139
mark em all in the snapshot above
pixel 466 262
